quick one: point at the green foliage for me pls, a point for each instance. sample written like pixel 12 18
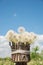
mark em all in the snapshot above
pixel 34 54
pixel 6 61
pixel 36 58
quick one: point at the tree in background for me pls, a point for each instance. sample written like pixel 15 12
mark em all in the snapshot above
pixel 34 54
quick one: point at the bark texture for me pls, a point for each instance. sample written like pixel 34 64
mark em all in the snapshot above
pixel 21 63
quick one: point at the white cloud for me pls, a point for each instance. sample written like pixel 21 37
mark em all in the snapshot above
pixel 38 42
pixel 5 48
pixel 40 37
pixel 1 49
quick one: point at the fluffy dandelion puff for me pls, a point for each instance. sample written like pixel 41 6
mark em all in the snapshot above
pixel 21 29
pixel 9 34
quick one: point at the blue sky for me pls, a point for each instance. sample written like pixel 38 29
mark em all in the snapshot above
pixel 26 13
pixel 16 13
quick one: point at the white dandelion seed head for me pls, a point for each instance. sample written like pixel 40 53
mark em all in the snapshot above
pixel 21 29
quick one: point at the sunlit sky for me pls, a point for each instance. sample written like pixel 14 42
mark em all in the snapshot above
pixel 16 13
pixel 26 13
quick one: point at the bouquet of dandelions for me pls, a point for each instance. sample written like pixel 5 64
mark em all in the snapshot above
pixel 21 36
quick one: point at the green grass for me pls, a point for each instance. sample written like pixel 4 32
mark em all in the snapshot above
pixel 32 62
pixel 36 59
